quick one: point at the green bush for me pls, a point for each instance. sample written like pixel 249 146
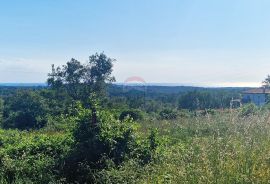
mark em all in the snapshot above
pixel 109 140
pixel 208 112
pixel 183 113
pixel 266 107
pixel 25 110
pixel 31 157
pixel 135 114
pixel 248 109
pixel 168 114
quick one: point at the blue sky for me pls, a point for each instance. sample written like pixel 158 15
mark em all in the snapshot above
pixel 206 43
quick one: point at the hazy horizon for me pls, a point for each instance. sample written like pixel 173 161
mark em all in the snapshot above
pixel 26 84
pixel 204 43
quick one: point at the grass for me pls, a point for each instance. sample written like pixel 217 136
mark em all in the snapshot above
pixel 225 147
pixel 220 148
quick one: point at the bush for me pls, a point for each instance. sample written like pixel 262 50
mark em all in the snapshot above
pixel 25 110
pixel 183 113
pixel 168 114
pixel 31 157
pixel 208 112
pixel 109 140
pixel 135 114
pixel 266 107
pixel 248 109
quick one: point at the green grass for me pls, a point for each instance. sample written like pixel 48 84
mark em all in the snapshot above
pixel 221 148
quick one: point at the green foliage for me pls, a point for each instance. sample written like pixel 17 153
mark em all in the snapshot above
pixel 57 102
pixel 31 157
pixel 25 110
pixel 79 80
pixel 248 109
pixel 223 148
pixel 208 112
pixel 200 100
pixel 152 106
pixel 156 98
pixel 1 111
pixel 183 113
pixel 72 138
pixel 266 107
pixel 108 140
pixel 168 114
pixel 135 114
pixel 266 82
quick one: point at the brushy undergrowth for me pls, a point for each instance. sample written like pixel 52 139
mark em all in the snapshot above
pixel 223 147
pixel 31 157
pixel 220 148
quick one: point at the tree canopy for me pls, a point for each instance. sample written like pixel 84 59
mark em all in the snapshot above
pixel 266 82
pixel 79 80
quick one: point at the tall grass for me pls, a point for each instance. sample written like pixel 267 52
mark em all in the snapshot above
pixel 221 148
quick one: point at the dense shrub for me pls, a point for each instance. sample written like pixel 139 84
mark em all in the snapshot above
pixel 108 140
pixel 183 113
pixel 135 114
pixel 168 114
pixel 221 149
pixel 248 109
pixel 208 112
pixel 266 107
pixel 25 110
pixel 31 157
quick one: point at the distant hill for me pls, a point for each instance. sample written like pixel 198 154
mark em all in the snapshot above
pixel 23 84
pixel 121 88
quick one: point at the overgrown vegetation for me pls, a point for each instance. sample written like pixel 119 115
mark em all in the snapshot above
pixel 76 131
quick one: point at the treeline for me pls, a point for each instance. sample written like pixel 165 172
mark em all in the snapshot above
pixel 189 98
pixel 26 108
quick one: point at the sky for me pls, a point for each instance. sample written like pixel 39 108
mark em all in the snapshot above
pixel 189 42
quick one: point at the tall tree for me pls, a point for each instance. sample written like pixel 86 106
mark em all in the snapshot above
pixel 83 81
pixel 99 70
pixel 266 82
pixel 80 80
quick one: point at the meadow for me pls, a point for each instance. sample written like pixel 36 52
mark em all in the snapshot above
pixel 221 147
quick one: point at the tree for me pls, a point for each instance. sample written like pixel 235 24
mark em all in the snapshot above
pixel 99 71
pixel 80 80
pixel 266 82
pixel 190 101
pixel 25 110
